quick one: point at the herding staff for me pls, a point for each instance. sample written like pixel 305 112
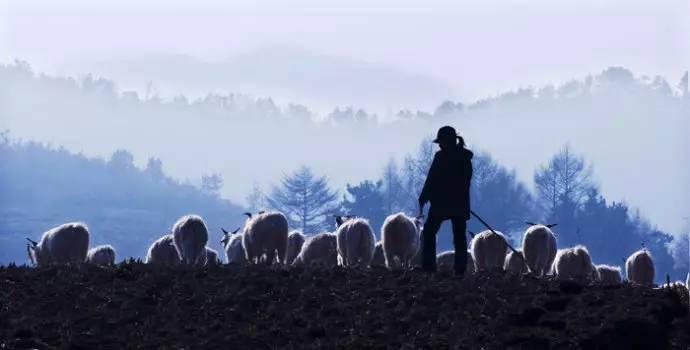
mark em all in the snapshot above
pixel 494 232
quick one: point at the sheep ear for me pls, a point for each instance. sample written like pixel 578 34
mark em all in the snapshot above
pixel 224 232
pixel 261 212
pixel 236 230
pixel 34 243
pixel 530 223
pixel 249 215
pixel 551 225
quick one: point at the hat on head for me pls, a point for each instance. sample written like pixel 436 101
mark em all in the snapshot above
pixel 446 133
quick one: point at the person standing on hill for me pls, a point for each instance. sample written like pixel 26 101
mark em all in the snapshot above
pixel 447 188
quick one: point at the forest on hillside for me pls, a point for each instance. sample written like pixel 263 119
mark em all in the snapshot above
pixel 130 207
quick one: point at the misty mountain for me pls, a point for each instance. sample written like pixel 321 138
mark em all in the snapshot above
pixel 43 187
pixel 282 72
pixel 632 129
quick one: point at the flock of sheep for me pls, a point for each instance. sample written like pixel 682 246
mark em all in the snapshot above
pixel 265 240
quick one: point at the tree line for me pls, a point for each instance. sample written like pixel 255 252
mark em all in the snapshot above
pixel 564 194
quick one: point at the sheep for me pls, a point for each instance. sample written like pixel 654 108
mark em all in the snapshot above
pixel 639 268
pixel 539 248
pixel 265 235
pixel 609 275
pixel 515 263
pixel 355 240
pixel 163 252
pixel 489 250
pixel 101 255
pixel 574 264
pixel 295 243
pixel 212 257
pixel 378 259
pixel 190 237
pixel 445 261
pixel 400 240
pixel 64 244
pixel 320 249
pixel 232 246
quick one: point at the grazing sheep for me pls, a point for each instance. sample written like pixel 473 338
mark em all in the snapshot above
pixel 356 241
pixel 190 237
pixel 639 268
pixel 265 235
pixel 445 261
pixel 539 248
pixel 320 249
pixel 378 259
pixel 489 250
pixel 400 240
pixel 212 257
pixel 295 243
pixel 515 263
pixel 64 244
pixel 163 252
pixel 101 255
pixel 609 275
pixel 574 264
pixel 232 245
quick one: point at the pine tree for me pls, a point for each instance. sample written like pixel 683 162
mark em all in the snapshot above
pixel 305 199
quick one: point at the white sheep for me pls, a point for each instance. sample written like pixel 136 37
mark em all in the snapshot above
pixel 399 240
pixel 265 237
pixel 489 250
pixel 445 261
pixel 190 236
pixel 539 248
pixel 232 246
pixel 295 242
pixel 320 249
pixel 378 259
pixel 163 252
pixel 64 244
pixel 356 242
pixel 609 275
pixel 101 255
pixel 515 263
pixel 639 268
pixel 574 263
pixel 212 257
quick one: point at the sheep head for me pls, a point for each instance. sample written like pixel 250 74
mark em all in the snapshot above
pixel 341 219
pixel 31 250
pixel 226 236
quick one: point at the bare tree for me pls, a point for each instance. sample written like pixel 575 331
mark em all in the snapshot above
pixel 414 173
pixel 565 178
pixel 392 187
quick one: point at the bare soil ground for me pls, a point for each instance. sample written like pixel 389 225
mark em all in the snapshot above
pixel 133 305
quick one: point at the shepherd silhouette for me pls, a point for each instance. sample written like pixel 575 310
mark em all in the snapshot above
pixel 447 188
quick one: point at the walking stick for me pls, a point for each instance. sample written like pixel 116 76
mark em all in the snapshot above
pixel 494 232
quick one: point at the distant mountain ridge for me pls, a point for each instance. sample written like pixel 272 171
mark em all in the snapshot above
pixel 283 72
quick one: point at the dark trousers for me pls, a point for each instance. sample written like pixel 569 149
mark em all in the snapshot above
pixel 431 226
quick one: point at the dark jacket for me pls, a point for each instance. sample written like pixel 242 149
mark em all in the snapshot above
pixel 447 186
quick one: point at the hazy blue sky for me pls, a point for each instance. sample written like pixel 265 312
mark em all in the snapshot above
pixel 478 47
